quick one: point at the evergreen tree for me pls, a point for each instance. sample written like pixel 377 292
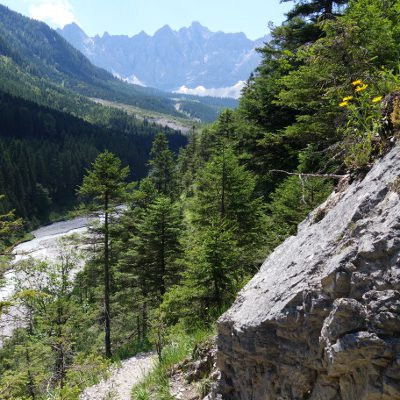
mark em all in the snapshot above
pixel 225 189
pixel 162 166
pixel 211 277
pixel 149 264
pixel 104 184
pixel 316 9
pixel 263 118
pixel 158 244
pixel 290 203
pixel 188 163
pixel 225 235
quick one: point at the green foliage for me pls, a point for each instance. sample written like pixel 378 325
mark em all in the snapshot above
pixel 364 122
pixel 223 241
pixel 225 189
pixel 162 167
pixel 354 47
pixel 105 187
pixel 180 346
pixel 10 232
pixel 316 9
pixel 210 280
pixel 149 263
pixel 105 180
pixel 291 202
pixel 44 359
pixel 33 155
pixel 158 244
pixel 9 228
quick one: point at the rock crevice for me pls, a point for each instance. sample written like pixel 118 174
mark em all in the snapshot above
pixel 321 320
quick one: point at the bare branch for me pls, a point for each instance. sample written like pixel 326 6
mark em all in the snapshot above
pixel 303 190
pixel 336 176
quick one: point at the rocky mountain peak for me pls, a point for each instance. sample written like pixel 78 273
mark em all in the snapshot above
pixel 192 57
pixel 73 33
pixel 73 27
pixel 165 30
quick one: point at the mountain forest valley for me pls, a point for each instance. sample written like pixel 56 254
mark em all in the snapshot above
pixel 134 222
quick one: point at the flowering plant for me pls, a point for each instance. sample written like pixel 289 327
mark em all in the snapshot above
pixel 363 123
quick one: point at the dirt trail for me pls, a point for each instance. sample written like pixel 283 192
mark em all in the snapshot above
pixel 121 380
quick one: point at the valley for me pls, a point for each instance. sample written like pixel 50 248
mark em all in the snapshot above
pixel 183 125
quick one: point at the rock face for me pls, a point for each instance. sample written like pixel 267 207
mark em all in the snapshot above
pixel 169 60
pixel 321 320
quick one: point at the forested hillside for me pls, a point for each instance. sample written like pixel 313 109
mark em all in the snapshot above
pixel 324 103
pixel 35 49
pixel 49 130
pixel 39 65
pixel 44 154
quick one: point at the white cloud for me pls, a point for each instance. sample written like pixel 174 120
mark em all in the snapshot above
pixel 232 91
pixel 55 12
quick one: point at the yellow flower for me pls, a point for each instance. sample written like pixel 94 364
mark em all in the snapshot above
pixel 377 99
pixel 344 104
pixel 361 87
pixel 357 82
pixel 348 98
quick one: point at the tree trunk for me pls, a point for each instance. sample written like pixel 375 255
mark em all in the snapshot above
pixel 107 311
pixel 328 7
pixel 60 350
pixel 162 259
pixel 31 384
pixel 223 183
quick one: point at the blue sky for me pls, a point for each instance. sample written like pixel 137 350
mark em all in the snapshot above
pixel 129 17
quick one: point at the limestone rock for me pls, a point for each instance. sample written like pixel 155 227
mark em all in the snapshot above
pixel 321 320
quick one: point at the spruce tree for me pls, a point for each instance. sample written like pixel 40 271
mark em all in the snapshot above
pixel 104 185
pixel 148 266
pixel 225 189
pixel 162 166
pixel 316 9
pixel 222 245
pixel 158 243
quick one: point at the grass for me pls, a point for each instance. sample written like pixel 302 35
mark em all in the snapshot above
pixel 130 349
pixel 156 384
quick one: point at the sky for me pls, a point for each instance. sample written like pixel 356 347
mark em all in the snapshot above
pixel 129 17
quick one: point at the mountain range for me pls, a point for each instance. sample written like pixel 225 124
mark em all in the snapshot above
pixel 192 60
pixel 38 64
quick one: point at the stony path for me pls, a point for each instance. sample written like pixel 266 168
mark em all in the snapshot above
pixel 119 385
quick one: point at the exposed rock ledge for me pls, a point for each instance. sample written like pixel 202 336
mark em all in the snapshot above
pixel 321 320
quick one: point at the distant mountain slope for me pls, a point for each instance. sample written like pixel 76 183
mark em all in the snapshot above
pixel 36 63
pixel 44 154
pixel 170 60
pixel 38 50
